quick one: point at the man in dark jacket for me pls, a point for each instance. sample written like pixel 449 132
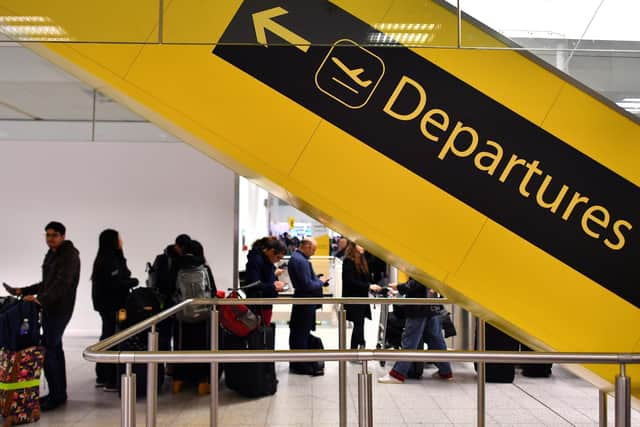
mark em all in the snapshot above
pixel 417 318
pixel 303 317
pixel 57 295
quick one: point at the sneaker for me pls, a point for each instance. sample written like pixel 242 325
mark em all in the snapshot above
pixel 388 379
pixel 444 377
pixel 110 388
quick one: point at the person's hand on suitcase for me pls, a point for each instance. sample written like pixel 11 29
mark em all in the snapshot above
pixel 279 286
pixel 31 298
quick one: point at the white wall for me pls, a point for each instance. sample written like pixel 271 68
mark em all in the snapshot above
pixel 253 217
pixel 150 192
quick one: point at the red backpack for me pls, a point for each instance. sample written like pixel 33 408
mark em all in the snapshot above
pixel 238 319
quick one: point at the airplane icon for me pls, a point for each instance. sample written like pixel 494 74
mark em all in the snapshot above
pixel 349 74
pixel 352 74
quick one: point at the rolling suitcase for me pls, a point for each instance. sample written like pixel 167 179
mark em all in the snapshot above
pixel 497 340
pixel 251 379
pixel 20 385
pixel 141 304
pixel 535 370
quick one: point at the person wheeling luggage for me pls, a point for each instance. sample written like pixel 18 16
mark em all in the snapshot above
pixel 303 317
pixel 110 284
pixel 356 283
pixel 194 280
pixel 261 260
pixel 417 317
pixel 162 276
pixel 56 293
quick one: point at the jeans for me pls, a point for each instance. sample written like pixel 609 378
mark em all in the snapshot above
pixel 54 363
pixel 411 340
pixel 435 341
pixel 106 372
pixel 412 337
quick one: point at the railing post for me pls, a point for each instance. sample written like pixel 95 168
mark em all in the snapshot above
pixel 152 379
pixel 128 398
pixel 602 408
pixel 213 422
pixel 481 375
pixel 342 365
pixel 623 398
pixel 365 397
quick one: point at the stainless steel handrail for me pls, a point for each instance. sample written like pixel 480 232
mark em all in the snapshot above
pixel 139 327
pixel 99 353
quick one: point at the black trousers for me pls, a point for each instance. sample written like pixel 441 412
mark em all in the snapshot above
pixel 303 319
pixel 192 336
pixel 357 334
pixel 55 370
pixel 106 372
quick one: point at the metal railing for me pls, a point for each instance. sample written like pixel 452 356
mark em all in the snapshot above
pixel 100 353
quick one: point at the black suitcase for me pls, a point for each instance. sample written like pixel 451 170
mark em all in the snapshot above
pixel 251 379
pixel 535 370
pixel 496 340
pixel 141 304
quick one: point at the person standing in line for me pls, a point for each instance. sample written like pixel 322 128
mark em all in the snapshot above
pixel 356 283
pixel 303 317
pixel 194 336
pixel 56 293
pixel 261 260
pixel 111 281
pixel 165 272
pixel 418 317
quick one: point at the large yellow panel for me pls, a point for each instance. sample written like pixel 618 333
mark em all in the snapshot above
pixel 360 191
pixel 194 82
pixel 598 130
pixel 112 21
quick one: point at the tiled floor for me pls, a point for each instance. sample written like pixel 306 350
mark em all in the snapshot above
pixel 562 400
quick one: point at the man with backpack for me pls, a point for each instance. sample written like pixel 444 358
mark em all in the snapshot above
pixel 194 280
pixel 162 276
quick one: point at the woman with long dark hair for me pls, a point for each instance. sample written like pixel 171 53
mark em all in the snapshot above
pixel 110 283
pixel 356 283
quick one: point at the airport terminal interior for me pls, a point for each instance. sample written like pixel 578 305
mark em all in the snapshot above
pixel 492 155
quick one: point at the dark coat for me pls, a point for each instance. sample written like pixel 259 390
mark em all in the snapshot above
pixel 306 285
pixel 165 268
pixel 60 277
pixel 414 289
pixel 110 282
pixel 260 269
pixel 355 284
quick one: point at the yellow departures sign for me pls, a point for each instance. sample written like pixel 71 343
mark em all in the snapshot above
pixel 482 193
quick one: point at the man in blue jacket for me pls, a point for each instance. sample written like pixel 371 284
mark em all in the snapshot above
pixel 303 317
